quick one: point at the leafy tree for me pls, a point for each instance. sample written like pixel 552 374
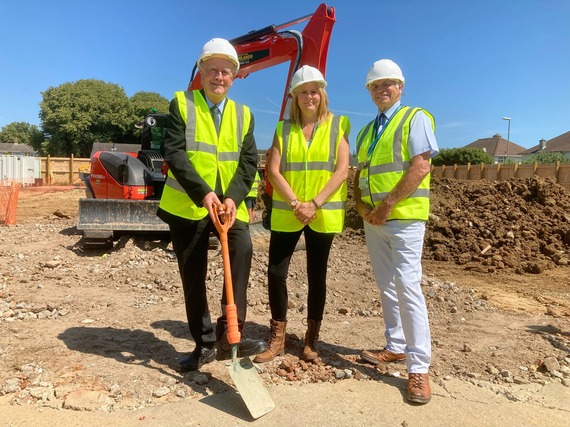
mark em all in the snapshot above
pixel 22 133
pixel 77 114
pixel 144 102
pixel 547 157
pixel 461 156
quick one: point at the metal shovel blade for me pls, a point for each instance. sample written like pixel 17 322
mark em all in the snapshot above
pixel 250 386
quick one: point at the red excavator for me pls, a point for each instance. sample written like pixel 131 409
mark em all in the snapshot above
pixel 123 189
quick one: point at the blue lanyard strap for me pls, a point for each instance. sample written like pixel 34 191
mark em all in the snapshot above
pixel 377 137
pixel 313 134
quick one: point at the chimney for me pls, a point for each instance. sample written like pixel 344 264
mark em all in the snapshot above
pixel 542 143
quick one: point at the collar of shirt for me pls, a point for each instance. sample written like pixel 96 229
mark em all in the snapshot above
pixel 220 106
pixel 390 111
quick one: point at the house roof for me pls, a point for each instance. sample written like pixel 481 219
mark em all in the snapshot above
pixel 16 148
pixel 497 146
pixel 558 144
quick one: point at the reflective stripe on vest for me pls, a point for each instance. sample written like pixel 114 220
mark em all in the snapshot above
pixel 254 187
pixel 380 172
pixel 307 170
pixel 209 153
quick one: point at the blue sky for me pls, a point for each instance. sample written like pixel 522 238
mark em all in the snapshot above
pixel 468 62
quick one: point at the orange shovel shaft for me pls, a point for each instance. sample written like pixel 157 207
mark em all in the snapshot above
pixel 233 333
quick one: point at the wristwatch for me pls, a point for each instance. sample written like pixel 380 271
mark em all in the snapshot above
pixel 294 203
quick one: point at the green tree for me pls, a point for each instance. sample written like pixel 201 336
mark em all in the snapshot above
pixel 547 158
pixel 22 133
pixel 461 156
pixel 144 103
pixel 77 114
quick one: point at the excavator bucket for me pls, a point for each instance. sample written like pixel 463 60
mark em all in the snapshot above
pixel 100 218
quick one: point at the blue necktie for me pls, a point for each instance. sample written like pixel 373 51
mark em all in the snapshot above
pixel 381 121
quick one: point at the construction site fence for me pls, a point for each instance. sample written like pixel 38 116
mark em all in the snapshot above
pixel 505 171
pixel 63 170
pixel 8 201
pixel 71 171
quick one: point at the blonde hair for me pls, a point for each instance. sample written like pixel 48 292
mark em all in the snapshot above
pixel 323 112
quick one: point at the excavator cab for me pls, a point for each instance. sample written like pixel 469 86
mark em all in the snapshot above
pixel 153 131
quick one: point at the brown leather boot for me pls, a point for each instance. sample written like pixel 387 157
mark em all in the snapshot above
pixel 276 342
pixel 311 349
pixel 418 389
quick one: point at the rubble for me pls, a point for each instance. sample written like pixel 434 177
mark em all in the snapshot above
pixel 102 330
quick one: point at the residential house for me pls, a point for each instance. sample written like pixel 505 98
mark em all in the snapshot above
pixel 19 162
pixel 558 144
pixel 17 149
pixel 499 148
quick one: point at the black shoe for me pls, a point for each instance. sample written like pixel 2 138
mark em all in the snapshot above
pixel 195 360
pixel 245 348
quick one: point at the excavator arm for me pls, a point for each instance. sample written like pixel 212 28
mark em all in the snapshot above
pixel 274 45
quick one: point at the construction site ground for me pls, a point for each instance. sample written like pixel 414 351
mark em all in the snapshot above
pixel 92 337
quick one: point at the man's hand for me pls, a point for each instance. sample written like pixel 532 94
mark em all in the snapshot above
pixel 379 215
pixel 213 204
pixel 363 210
pixel 231 210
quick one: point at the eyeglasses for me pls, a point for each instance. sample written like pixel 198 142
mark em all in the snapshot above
pixel 383 85
pixel 214 72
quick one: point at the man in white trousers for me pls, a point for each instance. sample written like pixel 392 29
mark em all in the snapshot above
pixel 392 196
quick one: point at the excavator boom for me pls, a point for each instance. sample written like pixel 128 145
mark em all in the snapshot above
pixel 272 45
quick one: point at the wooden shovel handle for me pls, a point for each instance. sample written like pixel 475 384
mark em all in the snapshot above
pixel 222 224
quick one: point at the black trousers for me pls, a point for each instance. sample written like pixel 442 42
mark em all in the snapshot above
pixel 281 247
pixel 190 241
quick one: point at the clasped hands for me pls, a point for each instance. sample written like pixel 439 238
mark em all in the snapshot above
pixel 217 208
pixel 305 212
pixel 377 216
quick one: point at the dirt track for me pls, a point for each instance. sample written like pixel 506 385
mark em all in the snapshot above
pixel 101 331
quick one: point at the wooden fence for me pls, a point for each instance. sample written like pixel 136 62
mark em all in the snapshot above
pixel 502 172
pixel 68 171
pixel 63 170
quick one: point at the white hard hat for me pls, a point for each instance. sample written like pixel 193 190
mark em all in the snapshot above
pixel 306 74
pixel 384 69
pixel 219 48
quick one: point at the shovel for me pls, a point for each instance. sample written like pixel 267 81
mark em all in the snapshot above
pixel 243 373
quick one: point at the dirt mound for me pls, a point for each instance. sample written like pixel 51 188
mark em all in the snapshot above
pixel 519 224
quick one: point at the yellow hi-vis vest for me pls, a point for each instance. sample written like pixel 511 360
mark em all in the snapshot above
pixel 381 169
pixel 307 170
pixel 208 152
pixel 255 186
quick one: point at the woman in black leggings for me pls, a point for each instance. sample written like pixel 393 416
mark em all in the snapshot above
pixel 308 167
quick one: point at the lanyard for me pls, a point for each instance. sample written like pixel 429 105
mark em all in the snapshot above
pixel 312 134
pixel 377 138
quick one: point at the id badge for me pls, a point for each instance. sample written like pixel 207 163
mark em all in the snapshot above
pixel 363 182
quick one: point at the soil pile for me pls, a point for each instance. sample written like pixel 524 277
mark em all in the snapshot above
pixel 520 224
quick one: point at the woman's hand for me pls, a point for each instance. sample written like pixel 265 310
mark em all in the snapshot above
pixel 305 212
